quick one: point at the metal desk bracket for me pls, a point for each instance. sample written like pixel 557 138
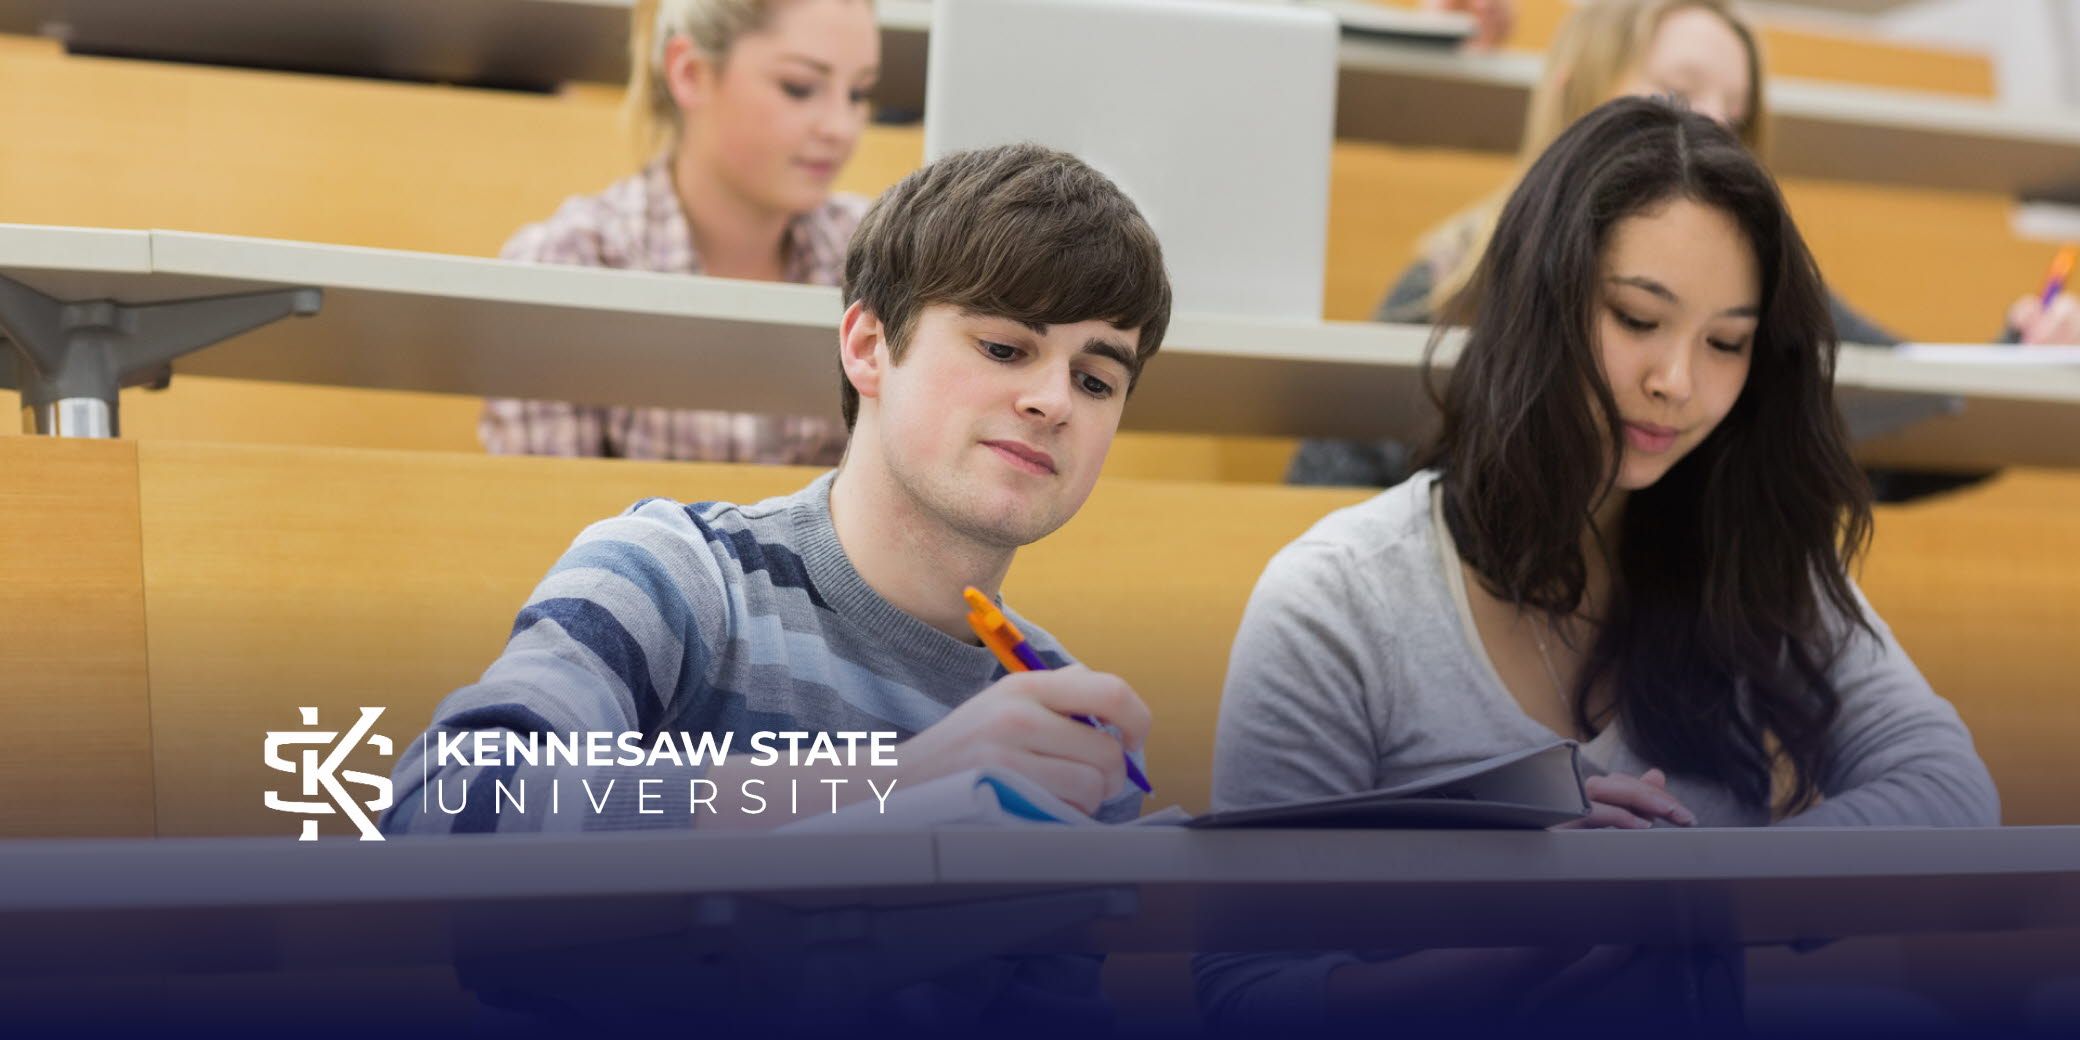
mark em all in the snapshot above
pixel 71 358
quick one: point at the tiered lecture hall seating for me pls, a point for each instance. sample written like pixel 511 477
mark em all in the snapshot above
pixel 247 548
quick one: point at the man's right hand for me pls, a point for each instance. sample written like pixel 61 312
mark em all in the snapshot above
pixel 1023 725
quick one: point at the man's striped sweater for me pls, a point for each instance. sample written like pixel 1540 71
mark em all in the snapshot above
pixel 715 617
pixel 703 618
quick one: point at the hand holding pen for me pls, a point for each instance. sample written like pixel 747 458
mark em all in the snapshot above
pixel 1013 652
pixel 2051 315
pixel 1027 723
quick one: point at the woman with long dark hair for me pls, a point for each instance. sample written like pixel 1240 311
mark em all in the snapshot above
pixel 1635 530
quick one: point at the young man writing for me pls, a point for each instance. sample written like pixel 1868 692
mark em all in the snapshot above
pixel 1000 305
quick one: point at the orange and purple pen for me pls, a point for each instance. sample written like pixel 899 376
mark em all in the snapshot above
pixel 1016 655
pixel 2061 268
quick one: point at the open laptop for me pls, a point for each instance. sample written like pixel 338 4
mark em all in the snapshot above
pixel 1216 118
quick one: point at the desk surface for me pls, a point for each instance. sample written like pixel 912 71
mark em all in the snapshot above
pixel 416 321
pixel 1287 890
pixel 1168 889
pixel 1399 92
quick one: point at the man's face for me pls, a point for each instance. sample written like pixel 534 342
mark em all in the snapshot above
pixel 997 428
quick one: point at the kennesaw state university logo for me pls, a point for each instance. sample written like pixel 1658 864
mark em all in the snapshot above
pixel 328 775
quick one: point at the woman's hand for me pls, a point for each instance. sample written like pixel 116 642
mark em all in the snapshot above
pixel 2058 323
pixel 1492 20
pixel 1626 802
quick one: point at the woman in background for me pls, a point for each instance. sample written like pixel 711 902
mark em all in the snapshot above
pixel 749 108
pixel 1699 51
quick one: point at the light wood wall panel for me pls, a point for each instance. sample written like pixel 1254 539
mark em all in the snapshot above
pixel 1982 589
pixel 282 577
pixel 1845 58
pixel 242 152
pixel 1928 265
pixel 75 739
pixel 1931 265
pixel 241 411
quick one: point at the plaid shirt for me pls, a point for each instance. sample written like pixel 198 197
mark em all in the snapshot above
pixel 637 224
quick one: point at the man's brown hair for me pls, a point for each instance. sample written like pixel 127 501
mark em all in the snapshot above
pixel 1015 231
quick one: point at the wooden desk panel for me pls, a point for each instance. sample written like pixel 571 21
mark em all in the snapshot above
pixel 1932 266
pixel 1149 582
pixel 1983 590
pixel 279 577
pixel 144 144
pixel 1383 201
pixel 284 577
pixel 1965 265
pixel 201 408
pixel 75 738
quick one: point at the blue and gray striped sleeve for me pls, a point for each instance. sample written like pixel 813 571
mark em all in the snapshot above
pixel 624 623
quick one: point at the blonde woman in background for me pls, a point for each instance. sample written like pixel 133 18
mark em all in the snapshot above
pixel 1699 51
pixel 1695 50
pixel 749 109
